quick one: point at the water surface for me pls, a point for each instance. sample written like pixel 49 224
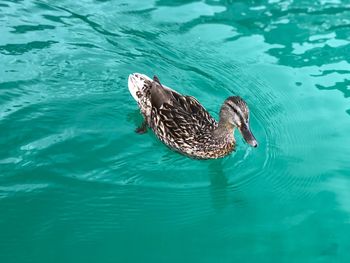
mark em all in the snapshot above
pixel 78 185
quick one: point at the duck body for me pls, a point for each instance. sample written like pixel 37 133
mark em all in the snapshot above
pixel 180 121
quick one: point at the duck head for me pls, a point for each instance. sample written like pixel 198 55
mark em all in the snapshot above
pixel 235 113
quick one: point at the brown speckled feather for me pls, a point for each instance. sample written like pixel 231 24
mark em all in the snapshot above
pixel 181 122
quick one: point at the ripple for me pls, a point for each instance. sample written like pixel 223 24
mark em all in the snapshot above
pixel 8 191
pixel 184 13
pixel 19 49
pixel 22 29
pixel 16 96
pixel 48 141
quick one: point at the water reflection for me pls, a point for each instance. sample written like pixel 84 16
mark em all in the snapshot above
pixel 304 31
pixel 218 184
pixel 174 2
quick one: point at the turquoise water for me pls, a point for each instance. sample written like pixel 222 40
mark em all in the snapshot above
pixel 78 185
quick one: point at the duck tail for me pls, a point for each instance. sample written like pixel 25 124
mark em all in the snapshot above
pixel 137 85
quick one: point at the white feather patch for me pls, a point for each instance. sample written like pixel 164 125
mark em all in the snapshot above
pixel 136 82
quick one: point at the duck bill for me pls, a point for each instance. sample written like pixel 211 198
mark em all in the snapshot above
pixel 248 135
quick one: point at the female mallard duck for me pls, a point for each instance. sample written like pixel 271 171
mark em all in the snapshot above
pixel 184 125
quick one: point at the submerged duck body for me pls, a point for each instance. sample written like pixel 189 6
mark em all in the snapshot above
pixel 184 125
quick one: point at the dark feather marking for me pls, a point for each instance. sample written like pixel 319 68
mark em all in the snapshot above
pixel 238 113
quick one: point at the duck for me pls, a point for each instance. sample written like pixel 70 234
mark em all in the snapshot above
pixel 184 125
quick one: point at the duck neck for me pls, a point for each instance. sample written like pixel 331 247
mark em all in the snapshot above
pixel 224 130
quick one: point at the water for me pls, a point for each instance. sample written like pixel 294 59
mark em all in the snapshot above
pixel 78 185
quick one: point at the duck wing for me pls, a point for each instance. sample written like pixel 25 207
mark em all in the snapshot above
pixel 160 95
pixel 186 106
pixel 181 121
pixel 176 119
pixel 197 112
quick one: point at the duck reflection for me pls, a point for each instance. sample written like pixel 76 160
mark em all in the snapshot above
pixel 218 184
